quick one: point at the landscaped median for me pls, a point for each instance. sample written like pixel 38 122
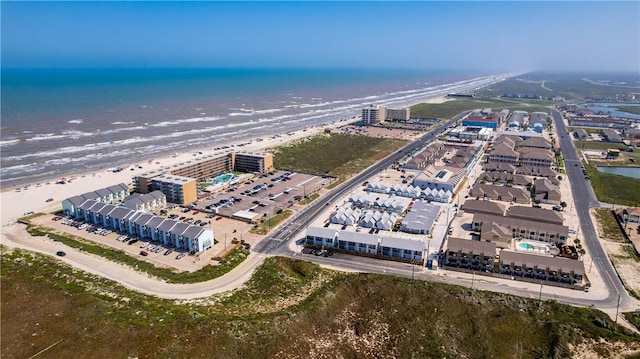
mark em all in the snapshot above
pixel 208 272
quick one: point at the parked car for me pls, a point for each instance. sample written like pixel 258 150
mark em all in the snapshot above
pixel 61 253
pixel 144 253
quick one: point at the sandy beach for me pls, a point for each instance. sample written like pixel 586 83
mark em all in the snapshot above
pixel 33 197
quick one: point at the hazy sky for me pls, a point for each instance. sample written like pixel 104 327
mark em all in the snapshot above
pixel 435 35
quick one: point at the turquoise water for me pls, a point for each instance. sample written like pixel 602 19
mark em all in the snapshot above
pixel 223 178
pixel 525 246
pixel 633 172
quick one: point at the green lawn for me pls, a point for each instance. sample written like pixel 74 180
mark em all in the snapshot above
pixel 630 109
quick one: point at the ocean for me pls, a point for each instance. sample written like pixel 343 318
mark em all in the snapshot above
pixel 56 122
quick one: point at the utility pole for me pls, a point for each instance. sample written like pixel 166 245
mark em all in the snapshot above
pixel 225 242
pixel 473 277
pixel 540 295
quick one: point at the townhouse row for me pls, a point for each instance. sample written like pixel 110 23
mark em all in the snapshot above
pixel 169 232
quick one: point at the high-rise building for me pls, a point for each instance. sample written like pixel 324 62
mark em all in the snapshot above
pixel 373 114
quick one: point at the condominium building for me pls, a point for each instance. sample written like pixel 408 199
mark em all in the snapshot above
pixel 253 162
pixel 206 167
pixel 393 114
pixel 178 189
pixel 373 114
pixel 521 228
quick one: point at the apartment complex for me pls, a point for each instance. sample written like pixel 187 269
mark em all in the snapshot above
pixel 520 228
pixel 206 167
pixel 373 115
pixel 178 189
pixel 253 162
pixel 146 226
pixel 179 185
pixel 112 194
pixel 398 115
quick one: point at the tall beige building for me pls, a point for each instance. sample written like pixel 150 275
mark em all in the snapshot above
pixel 373 114
pixel 393 114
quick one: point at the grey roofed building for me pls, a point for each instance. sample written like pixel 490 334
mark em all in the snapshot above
pixel 120 213
pixel 537 214
pixel 179 228
pixel 478 206
pixel 420 218
pixel 541 231
pixel 76 200
pixel 104 193
pixel 504 178
pixel 611 135
pixel 581 134
pixel 192 232
pixel 91 195
pixel 143 219
pixel 358 237
pixel 120 187
pixel 107 209
pixel 155 221
pixel 167 225
pixel 470 246
pixel 500 193
pixel 499 167
pixel 565 265
pixel 537 171
pixel 321 232
pixel 536 142
pixel 402 243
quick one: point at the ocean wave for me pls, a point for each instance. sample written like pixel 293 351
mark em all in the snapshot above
pixel 188 120
pixel 76 121
pixel 14 141
pixel 122 122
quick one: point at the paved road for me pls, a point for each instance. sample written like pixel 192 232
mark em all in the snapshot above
pixel 276 242
pixel 585 199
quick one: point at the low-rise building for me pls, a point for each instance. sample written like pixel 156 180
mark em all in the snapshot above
pixel 546 192
pixel 631 215
pixel 487 207
pixel 500 193
pixel 468 254
pixel 556 269
pixel 145 202
pixel 581 134
pixel 524 229
pixel 439 178
pixel 611 135
pixel 536 214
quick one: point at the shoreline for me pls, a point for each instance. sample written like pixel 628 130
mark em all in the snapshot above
pixel 33 197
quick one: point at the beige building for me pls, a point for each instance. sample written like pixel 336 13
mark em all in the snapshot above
pixel 521 228
pixel 373 115
pixel 178 189
pixel 207 167
pixel 393 114
pixel 253 162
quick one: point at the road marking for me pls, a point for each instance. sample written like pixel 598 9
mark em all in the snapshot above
pixel 278 239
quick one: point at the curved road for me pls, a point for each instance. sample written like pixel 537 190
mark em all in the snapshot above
pixel 277 243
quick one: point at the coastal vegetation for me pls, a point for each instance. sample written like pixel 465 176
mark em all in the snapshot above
pixel 265 226
pixel 630 109
pixel 615 189
pixel 453 107
pixel 608 225
pixel 336 155
pixel 290 308
pixel 208 272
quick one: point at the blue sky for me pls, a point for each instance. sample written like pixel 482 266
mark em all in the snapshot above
pixel 432 35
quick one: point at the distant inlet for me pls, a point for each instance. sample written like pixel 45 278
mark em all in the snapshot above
pixel 633 172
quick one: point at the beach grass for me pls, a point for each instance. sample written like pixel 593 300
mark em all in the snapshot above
pixel 598 145
pixel 609 228
pixel 336 155
pixel 610 188
pixel 288 307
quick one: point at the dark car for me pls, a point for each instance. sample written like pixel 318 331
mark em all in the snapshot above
pixel 60 254
pixel 144 253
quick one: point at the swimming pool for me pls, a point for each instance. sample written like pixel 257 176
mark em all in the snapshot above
pixel 223 178
pixel 526 246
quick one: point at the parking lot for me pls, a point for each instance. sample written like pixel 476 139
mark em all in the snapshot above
pixel 154 252
pixel 263 195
